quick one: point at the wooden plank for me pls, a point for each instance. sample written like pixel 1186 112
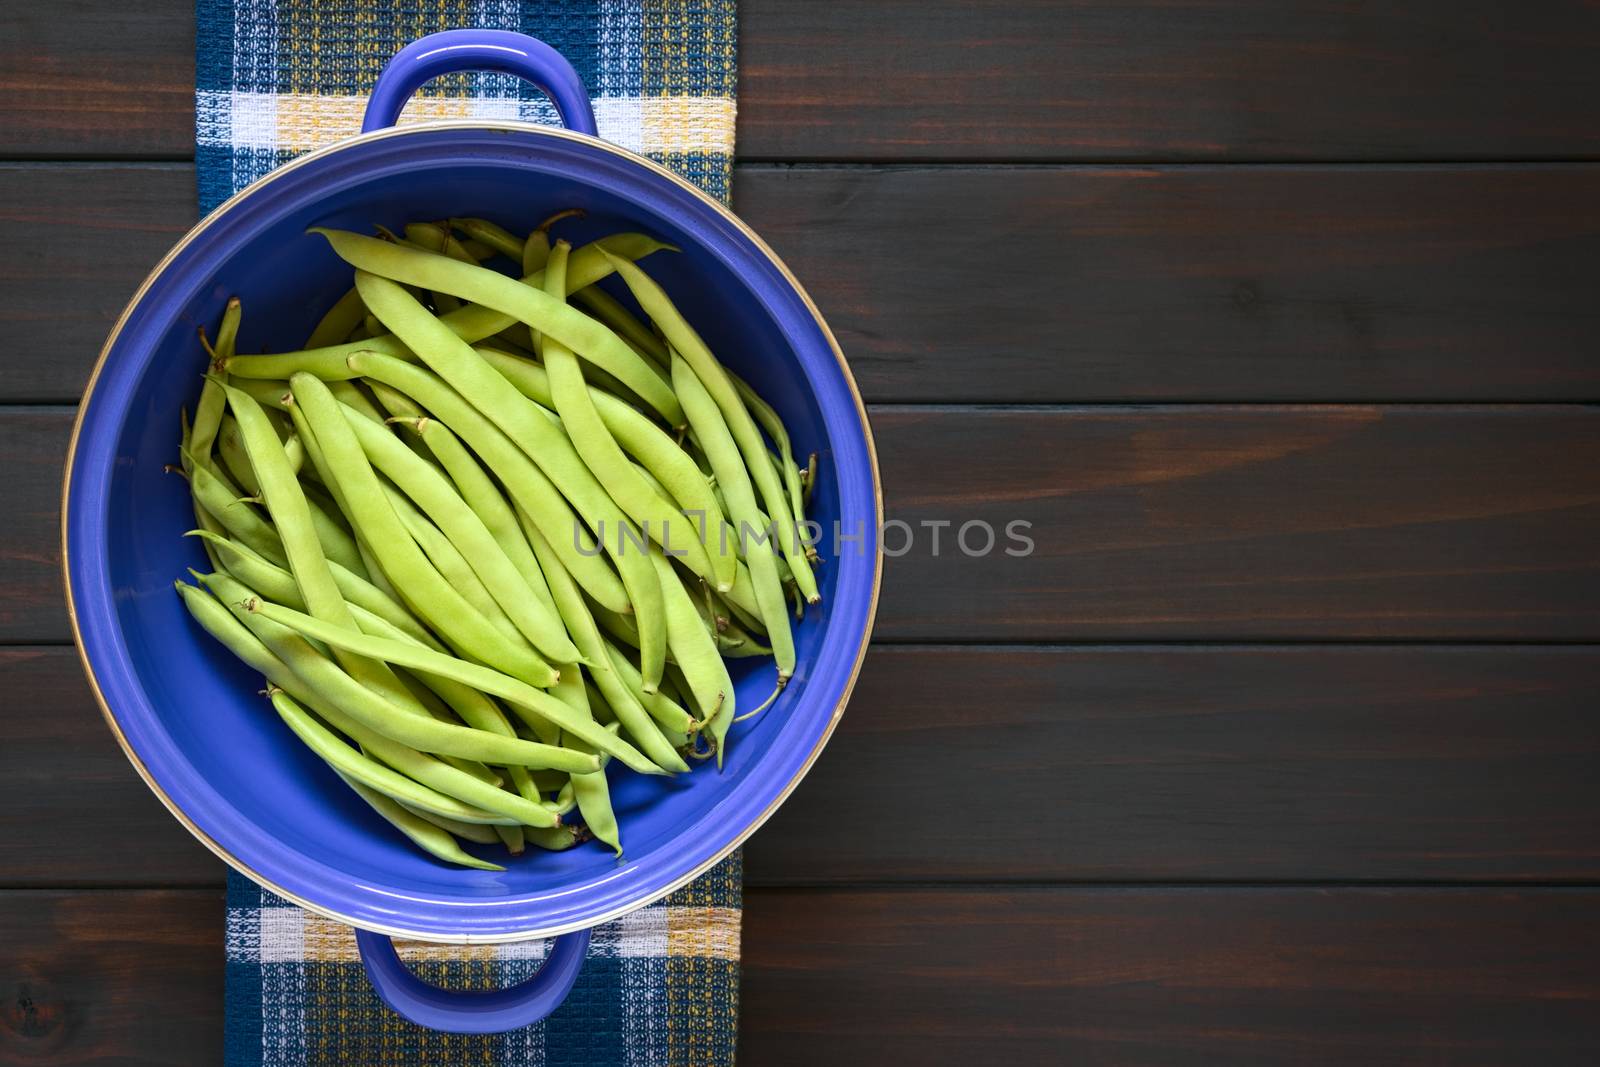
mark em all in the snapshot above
pixel 950 80
pixel 101 228
pixel 1033 764
pixel 1193 523
pixel 97 79
pixel 1152 80
pixel 111 978
pixel 1170 977
pixel 1260 523
pixel 76 812
pixel 1099 284
pixel 1146 976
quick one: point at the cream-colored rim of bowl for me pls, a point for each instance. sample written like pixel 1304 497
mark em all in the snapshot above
pixel 256 187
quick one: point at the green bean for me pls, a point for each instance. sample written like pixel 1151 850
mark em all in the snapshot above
pixel 414 729
pixel 593 796
pixel 552 317
pixel 695 652
pixel 350 395
pixel 521 696
pixel 296 453
pixel 275 583
pixel 345 314
pixel 609 310
pixel 600 451
pixel 769 420
pixel 483 497
pixel 222 501
pixel 398 555
pixel 527 484
pixel 337 543
pixel 475 709
pixel 687 343
pixel 535 253
pixel 478 835
pixel 580 623
pixel 436 707
pixel 434 237
pixel 737 643
pixel 496 237
pixel 537 435
pixel 557 840
pixel 619 626
pixel 227 627
pixel 662 708
pixel 217 620
pixel 431 491
pixel 231 451
pixel 472 323
pixel 300 539
pixel 208 413
pixel 720 448
pixel 511 837
pixel 351 763
pixel 426 835
pixel 452 566
pixel 655 450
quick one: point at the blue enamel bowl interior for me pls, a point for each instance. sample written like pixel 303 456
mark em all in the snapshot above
pixel 190 713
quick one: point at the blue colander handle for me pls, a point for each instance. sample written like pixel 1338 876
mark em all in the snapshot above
pixel 497 50
pixel 455 1012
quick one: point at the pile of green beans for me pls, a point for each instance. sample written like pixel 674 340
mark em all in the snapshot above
pixel 492 529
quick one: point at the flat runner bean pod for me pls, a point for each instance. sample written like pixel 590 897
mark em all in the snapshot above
pixel 718 441
pixel 538 436
pixel 351 763
pixel 484 498
pixel 550 316
pixel 431 838
pixel 609 310
pixel 498 238
pixel 475 709
pixel 695 652
pixel 208 412
pixel 646 442
pixel 437 498
pixel 366 503
pixel 414 729
pixel 276 583
pixel 471 323
pixel 450 565
pixel 345 315
pixel 527 484
pixel 228 628
pixel 769 420
pixel 662 708
pixel 222 501
pixel 580 623
pixel 687 343
pixel 487 680
pixel 599 449
pixel 478 835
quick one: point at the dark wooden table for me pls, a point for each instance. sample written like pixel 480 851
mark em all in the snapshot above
pixel 1280 321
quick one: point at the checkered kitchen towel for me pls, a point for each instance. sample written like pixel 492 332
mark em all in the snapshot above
pixel 276 78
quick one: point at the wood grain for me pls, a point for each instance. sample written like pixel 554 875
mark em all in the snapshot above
pixel 1218 764
pixel 1192 523
pixel 1170 977
pixel 111 978
pixel 1099 284
pixel 97 79
pixel 1049 975
pixel 952 80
